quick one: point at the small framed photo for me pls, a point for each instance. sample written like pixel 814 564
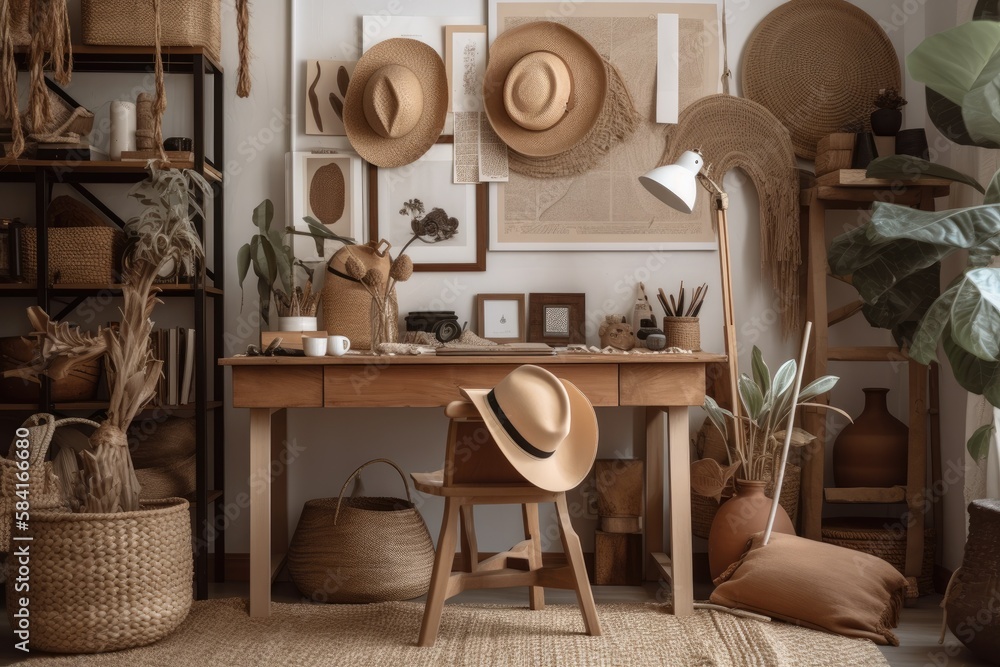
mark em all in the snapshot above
pixel 422 196
pixel 501 317
pixel 328 187
pixel 557 319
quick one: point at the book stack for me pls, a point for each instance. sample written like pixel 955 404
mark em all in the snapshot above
pixel 175 347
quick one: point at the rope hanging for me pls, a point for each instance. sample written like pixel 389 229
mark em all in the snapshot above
pixel 50 34
pixel 8 78
pixel 160 103
pixel 243 82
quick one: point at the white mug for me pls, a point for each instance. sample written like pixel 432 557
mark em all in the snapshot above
pixel 314 346
pixel 338 345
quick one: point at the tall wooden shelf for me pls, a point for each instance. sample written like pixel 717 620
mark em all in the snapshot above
pixel 849 189
pixel 205 291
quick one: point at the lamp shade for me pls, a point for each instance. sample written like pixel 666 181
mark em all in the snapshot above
pixel 676 185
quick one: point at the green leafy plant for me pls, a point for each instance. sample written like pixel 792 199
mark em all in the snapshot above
pixel 894 259
pixel 766 403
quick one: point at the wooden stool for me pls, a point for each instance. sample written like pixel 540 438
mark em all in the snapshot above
pixel 477 473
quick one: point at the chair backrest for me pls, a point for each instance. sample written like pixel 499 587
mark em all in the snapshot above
pixel 472 455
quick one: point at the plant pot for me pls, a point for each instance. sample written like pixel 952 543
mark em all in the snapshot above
pixel 864 150
pixel 297 324
pixel 873 450
pixel 974 594
pixel 106 582
pixel 737 520
pixel 886 122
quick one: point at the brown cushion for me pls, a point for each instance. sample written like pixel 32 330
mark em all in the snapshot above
pixel 816 585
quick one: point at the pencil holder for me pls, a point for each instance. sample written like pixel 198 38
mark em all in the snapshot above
pixel 683 332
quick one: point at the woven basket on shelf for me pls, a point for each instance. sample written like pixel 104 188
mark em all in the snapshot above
pixel 131 23
pixel 882 538
pixel 77 255
pixel 683 332
pixel 348 550
pixel 106 582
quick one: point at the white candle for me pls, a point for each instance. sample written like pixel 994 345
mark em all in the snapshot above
pixel 122 128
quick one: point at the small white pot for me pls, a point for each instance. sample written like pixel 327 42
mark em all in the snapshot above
pixel 297 324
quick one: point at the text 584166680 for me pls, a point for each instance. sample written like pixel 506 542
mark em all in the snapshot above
pixel 20 555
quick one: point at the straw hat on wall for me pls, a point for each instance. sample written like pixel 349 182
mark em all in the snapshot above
pixel 544 88
pixel 396 102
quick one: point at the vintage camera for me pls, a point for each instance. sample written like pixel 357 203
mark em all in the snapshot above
pixel 442 323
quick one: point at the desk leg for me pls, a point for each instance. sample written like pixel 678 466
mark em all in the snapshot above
pixel 654 491
pixel 681 548
pixel 260 512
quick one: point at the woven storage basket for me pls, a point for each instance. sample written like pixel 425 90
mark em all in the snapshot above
pixel 976 584
pixel 347 304
pixel 164 457
pixel 77 255
pixel 167 481
pixel 106 582
pixel 870 535
pixel 80 384
pixel 131 23
pixel 683 332
pixel 703 509
pixel 361 549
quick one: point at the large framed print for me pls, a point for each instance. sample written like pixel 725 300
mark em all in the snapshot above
pixel 422 195
pixel 328 187
pixel 606 208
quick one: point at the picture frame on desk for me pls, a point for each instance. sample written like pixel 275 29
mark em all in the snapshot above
pixel 430 181
pixel 557 318
pixel 501 317
pixel 327 186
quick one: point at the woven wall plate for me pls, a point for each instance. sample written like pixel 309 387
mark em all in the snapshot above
pixel 817 65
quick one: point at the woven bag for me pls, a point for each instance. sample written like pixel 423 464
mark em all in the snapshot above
pixel 106 582
pixel 131 23
pixel 349 550
pixel 347 304
pixel 43 485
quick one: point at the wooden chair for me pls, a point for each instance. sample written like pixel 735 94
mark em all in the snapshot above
pixel 477 473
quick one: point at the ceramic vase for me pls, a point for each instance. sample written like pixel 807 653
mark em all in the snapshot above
pixel 886 122
pixel 865 150
pixel 873 450
pixel 737 520
pixel 973 600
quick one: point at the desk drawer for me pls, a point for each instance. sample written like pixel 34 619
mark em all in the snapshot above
pixel 662 384
pixel 421 386
pixel 277 387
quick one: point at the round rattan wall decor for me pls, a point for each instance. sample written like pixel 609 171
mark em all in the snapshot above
pixel 817 65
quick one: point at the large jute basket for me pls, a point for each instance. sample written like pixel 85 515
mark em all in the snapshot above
pixel 106 582
pixel 77 255
pixel 882 538
pixel 349 550
pixel 131 23
pixel 80 384
pixel 683 332
pixel 976 585
pixel 347 304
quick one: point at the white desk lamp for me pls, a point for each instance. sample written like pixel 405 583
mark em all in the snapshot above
pixel 676 185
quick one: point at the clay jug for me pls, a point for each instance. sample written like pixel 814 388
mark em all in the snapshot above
pixel 872 451
pixel 974 594
pixel 737 520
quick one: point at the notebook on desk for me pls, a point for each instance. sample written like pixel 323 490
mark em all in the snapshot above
pixel 507 349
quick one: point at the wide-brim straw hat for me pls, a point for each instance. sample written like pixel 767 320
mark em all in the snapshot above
pixel 545 426
pixel 396 102
pixel 562 70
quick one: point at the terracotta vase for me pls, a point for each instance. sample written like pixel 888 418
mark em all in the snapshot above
pixel 873 450
pixel 973 601
pixel 737 520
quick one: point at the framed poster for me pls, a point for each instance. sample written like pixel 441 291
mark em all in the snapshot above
pixel 501 317
pixel 327 82
pixel 328 187
pixel 450 219
pixel 557 319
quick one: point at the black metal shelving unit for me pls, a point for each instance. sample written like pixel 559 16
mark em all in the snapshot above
pixel 206 292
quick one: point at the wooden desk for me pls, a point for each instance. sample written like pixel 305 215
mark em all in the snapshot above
pixel 657 382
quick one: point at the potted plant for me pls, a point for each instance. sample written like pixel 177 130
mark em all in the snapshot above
pixel 766 403
pixel 142 590
pixel 894 260
pixel 888 115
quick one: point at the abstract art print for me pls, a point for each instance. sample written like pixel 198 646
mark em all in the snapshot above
pixel 327 187
pixel 326 88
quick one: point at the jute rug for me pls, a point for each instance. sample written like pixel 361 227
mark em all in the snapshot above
pixel 218 633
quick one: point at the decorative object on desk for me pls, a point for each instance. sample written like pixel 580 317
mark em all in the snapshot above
pixel 885 539
pixel 767 403
pixel 888 115
pixel 742 134
pixel 872 452
pixel 328 81
pixel 17 352
pixel 973 587
pixel 557 319
pixel 912 142
pixel 144 140
pixel 442 323
pixel 684 332
pixel 865 150
pixel 338 346
pixel 642 310
pixel 656 342
pixel 501 317
pixel 82 248
pixel 616 332
pixel 123 126
pixel 379 548
pixel 397 102
pixel 315 346
pixel 109 518
pixel 11 230
pixel 834 152
pixel 817 64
